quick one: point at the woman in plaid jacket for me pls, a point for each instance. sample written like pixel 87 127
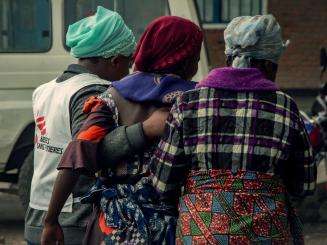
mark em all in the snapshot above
pixel 238 146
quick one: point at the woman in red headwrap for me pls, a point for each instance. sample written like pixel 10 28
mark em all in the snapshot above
pixel 127 208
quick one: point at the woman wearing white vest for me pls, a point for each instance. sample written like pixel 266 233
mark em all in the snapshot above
pixel 103 45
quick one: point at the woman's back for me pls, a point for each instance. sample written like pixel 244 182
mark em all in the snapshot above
pixel 237 153
pixel 237 130
pixel 238 146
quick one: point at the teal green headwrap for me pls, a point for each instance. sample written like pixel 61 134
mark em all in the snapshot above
pixel 101 35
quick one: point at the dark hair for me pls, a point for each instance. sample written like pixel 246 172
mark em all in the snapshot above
pixel 93 60
pixel 258 63
pixel 180 69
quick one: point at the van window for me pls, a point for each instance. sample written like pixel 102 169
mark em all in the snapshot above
pixel 25 26
pixel 137 14
pixel 223 11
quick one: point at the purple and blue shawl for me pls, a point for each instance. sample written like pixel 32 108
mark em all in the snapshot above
pixel 148 87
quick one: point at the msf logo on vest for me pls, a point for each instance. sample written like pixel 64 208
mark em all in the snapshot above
pixel 40 123
pixel 44 143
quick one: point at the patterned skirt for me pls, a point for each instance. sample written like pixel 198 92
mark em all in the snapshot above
pixel 129 214
pixel 219 207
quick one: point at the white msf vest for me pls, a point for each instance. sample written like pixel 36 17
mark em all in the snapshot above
pixel 52 134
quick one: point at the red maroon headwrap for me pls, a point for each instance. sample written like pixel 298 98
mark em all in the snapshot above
pixel 166 42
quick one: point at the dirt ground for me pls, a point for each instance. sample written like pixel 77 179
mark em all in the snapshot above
pixel 11 220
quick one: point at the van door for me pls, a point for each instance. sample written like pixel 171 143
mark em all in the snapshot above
pixel 25 26
pixel 25 41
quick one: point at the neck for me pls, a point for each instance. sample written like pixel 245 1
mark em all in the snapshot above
pixel 88 65
pixel 268 69
pixel 96 68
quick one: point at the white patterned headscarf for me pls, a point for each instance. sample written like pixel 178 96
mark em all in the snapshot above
pixel 257 37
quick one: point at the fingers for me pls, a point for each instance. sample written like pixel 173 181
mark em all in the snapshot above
pixel 52 242
pixel 60 243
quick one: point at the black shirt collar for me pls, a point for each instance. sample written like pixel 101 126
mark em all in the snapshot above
pixel 72 70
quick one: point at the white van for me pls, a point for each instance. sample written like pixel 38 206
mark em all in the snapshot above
pixel 33 51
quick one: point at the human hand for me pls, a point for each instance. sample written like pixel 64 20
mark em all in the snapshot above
pixel 52 234
pixel 154 126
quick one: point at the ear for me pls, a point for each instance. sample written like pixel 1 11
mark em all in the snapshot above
pixel 229 61
pixel 114 61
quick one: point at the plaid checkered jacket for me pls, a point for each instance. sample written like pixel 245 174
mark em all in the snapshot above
pixel 223 129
